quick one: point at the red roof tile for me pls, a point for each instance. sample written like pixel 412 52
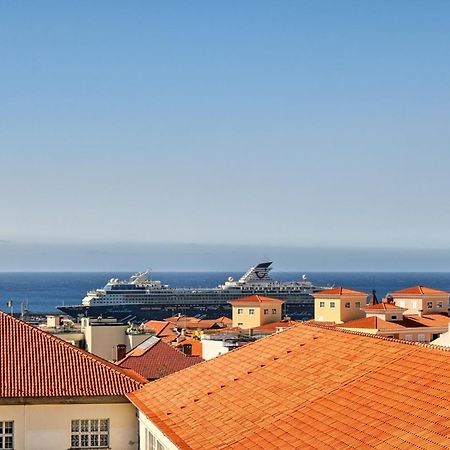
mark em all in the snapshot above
pixel 256 299
pixel 308 388
pixel 340 291
pixel 153 358
pixel 419 290
pixel 37 364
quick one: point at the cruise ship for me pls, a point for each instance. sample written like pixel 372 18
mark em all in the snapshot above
pixel 141 298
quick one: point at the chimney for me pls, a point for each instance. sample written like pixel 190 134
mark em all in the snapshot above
pixel 373 300
pixel 121 351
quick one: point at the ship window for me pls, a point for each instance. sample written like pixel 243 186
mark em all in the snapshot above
pixel 240 311
pixel 266 311
pixel 251 311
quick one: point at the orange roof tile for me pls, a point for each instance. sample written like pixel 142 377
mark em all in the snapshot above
pixel 256 299
pixel 160 327
pixel 371 323
pixel 37 364
pixel 410 321
pixel 383 306
pixel 310 388
pixel 153 358
pixel 340 291
pixel 274 325
pixel 419 290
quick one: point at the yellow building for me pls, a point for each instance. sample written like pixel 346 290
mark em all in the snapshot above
pixel 254 311
pixel 339 305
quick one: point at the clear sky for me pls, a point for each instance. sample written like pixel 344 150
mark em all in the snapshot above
pixel 279 124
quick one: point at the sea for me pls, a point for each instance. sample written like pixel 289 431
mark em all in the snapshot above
pixel 43 292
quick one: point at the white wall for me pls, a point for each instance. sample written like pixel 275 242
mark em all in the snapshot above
pixel 212 348
pixel 38 427
pixel 148 432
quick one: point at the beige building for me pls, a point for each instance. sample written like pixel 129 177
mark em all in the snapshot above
pixel 256 310
pixel 55 396
pixel 391 320
pixel 422 300
pixel 339 305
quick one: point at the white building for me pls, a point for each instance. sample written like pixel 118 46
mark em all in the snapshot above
pixel 55 396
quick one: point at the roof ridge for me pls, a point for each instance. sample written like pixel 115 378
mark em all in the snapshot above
pixel 63 343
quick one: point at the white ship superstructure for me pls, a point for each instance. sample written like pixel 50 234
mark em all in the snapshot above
pixel 141 297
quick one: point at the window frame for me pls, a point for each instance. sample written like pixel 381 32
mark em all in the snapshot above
pixel 91 433
pixel 4 435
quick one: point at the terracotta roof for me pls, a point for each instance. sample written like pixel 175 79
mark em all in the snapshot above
pixel 419 290
pixel 384 307
pixel 274 325
pixel 37 364
pixel 153 358
pixel 310 388
pixel 410 321
pixel 181 319
pixel 340 291
pixel 371 323
pixel 256 299
pixel 160 327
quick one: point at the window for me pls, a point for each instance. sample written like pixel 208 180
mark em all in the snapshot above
pixel 274 310
pixel 429 305
pixel 266 311
pixel 357 304
pixel 90 433
pixel 251 311
pixel 408 337
pixel 6 435
pixel 332 304
pixel 393 317
pixel 322 304
pixel 347 304
pixel 240 311
pixel 440 304
pixel 421 338
pixel 152 442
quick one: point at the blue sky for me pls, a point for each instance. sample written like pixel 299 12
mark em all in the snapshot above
pixel 293 124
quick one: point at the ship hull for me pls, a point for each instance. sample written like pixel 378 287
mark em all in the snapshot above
pixel 297 310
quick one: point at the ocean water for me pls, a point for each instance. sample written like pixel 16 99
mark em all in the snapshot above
pixel 44 291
